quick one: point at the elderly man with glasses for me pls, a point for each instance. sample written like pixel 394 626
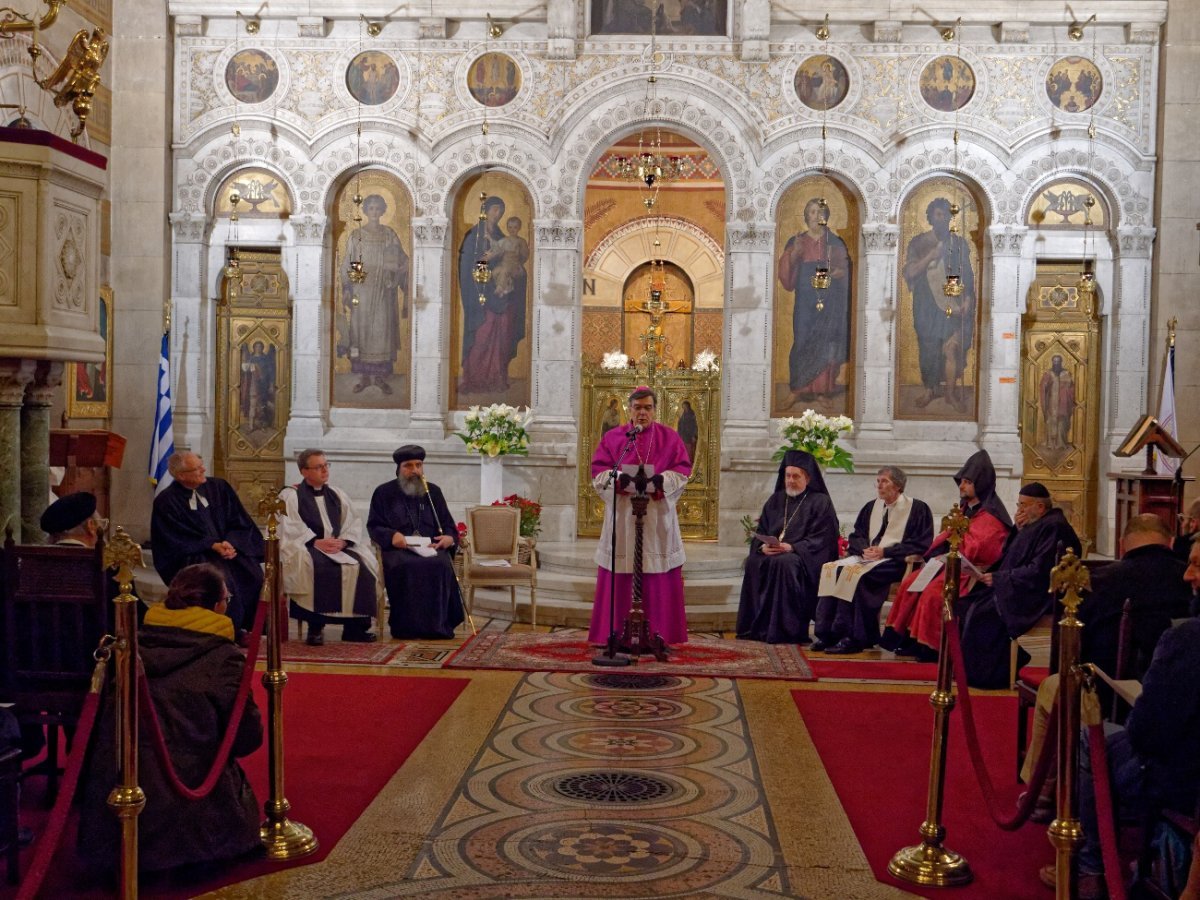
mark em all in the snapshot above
pixel 329 572
pixel 197 519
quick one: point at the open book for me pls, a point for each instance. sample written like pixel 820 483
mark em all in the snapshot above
pixel 930 570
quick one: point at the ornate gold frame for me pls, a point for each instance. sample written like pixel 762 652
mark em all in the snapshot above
pixel 698 508
pixel 78 408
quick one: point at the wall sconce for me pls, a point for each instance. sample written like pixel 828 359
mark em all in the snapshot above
pixel 823 29
pixel 950 32
pixel 253 23
pixel 374 29
pixel 1075 32
pixel 493 28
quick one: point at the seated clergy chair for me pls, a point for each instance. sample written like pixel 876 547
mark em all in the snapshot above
pixel 493 556
pixel 56 607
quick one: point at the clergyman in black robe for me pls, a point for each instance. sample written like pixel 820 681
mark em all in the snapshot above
pixel 888 530
pixel 1009 601
pixel 422 592
pixel 779 589
pixel 197 519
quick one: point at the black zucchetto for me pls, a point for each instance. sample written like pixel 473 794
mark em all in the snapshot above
pixel 68 512
pixel 1035 489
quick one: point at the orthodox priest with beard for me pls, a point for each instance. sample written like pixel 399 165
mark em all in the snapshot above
pixel 1008 602
pixel 422 591
pixel 779 590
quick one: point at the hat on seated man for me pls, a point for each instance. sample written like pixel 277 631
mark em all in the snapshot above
pixel 72 520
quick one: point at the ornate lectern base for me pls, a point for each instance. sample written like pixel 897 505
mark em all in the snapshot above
pixel 637 639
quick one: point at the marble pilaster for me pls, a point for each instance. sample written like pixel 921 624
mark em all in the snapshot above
pixel 876 345
pixel 191 341
pixel 15 376
pixel 430 325
pixel 746 361
pixel 556 326
pixel 35 447
pixel 1130 321
pixel 999 345
pixel 309 374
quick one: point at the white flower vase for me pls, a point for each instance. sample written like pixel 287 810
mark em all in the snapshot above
pixel 491 479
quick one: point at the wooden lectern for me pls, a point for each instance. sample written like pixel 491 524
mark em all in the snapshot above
pixel 88 457
pixel 1147 491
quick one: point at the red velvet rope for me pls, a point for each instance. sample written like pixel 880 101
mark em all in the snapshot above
pixel 235 719
pixel 1098 752
pixel 52 836
pixel 1025 806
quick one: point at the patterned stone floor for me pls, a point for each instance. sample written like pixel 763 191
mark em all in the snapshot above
pixel 596 785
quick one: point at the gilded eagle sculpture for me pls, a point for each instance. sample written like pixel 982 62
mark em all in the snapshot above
pixel 75 80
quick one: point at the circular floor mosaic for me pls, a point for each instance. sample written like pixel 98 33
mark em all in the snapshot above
pixel 613 787
pixel 618 681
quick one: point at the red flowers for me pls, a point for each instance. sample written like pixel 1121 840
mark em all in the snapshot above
pixel 531 513
pixel 843 545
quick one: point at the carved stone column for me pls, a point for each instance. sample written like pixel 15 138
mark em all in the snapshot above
pixel 15 375
pixel 999 344
pixel 310 330
pixel 1130 321
pixel 35 448
pixel 557 317
pixel 430 326
pixel 876 339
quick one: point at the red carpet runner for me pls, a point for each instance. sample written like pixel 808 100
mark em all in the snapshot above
pixel 340 754
pixel 875 747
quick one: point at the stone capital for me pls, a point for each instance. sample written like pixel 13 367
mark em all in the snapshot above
pixel 15 376
pixel 429 232
pixel 47 379
pixel 1007 240
pixel 558 234
pixel 1136 242
pixel 881 238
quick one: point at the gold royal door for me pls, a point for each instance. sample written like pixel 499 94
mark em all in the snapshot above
pixel 253 376
pixel 1060 393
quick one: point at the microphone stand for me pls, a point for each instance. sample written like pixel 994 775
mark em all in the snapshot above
pixel 609 655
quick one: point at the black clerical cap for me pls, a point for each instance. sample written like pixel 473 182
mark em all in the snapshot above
pixel 68 512
pixel 1035 489
pixel 407 452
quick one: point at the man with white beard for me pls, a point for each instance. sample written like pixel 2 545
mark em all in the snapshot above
pixel 417 537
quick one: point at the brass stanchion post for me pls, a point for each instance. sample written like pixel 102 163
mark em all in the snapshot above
pixel 1066 832
pixel 930 863
pixel 282 838
pixel 126 799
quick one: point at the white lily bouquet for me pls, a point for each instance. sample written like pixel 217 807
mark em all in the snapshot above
pixel 497 430
pixel 706 361
pixel 614 361
pixel 818 435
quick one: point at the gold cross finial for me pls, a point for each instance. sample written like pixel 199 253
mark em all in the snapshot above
pixel 956 523
pixel 272 506
pixel 123 554
pixel 1070 576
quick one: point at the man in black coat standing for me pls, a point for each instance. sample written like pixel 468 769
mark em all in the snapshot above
pixel 1008 602
pixel 198 519
pixel 888 529
pixel 423 596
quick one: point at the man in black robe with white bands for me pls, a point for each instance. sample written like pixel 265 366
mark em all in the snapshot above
pixel 888 530
pixel 779 590
pixel 1008 601
pixel 197 519
pixel 329 571
pixel 422 591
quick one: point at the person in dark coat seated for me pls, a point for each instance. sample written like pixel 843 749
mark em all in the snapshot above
pixel 1009 601
pixel 1154 761
pixel 71 521
pixel 423 596
pixel 1189 527
pixel 800 528
pixel 194 671
pixel 888 530
pixel 197 519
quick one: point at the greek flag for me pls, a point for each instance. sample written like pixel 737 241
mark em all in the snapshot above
pixel 162 442
pixel 1165 465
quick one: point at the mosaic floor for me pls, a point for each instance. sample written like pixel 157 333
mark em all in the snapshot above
pixel 599 785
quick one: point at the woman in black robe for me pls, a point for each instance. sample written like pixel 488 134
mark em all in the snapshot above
pixel 779 590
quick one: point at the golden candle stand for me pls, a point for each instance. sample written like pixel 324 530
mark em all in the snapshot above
pixel 930 863
pixel 282 838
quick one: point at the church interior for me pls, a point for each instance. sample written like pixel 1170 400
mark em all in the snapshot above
pixel 238 232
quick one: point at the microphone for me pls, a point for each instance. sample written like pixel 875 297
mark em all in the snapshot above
pixel 635 430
